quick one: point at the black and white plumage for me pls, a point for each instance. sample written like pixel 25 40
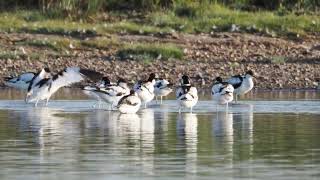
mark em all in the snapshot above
pixel 42 89
pixel 45 73
pixel 20 82
pixel 242 83
pixel 162 88
pixel 90 91
pixel 113 93
pixel 216 85
pixel 222 92
pixel 129 103
pixel 145 90
pixel 186 94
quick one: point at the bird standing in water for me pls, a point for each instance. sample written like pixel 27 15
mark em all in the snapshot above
pixel 186 94
pixel 242 83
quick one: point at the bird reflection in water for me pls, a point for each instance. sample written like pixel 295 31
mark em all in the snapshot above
pixel 187 127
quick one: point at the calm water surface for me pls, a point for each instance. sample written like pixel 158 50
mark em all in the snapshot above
pixel 268 135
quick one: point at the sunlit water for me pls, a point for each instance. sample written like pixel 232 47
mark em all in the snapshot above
pixel 267 135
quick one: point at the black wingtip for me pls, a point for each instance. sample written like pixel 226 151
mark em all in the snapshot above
pixel 7 78
pixel 47 70
pixel 170 85
pixel 91 74
pixel 219 79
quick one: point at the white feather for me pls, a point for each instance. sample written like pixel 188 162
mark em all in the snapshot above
pixel 161 88
pixel 111 95
pixel 70 75
pixel 146 91
pixel 225 95
pixel 43 74
pixel 189 99
pixel 21 82
pixel 131 104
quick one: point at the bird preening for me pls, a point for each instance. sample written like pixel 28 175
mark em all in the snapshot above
pixel 42 85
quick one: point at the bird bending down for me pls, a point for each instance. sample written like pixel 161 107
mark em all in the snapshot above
pixel 145 90
pixel 162 88
pixel 90 91
pixel 186 94
pixel 44 86
pixel 222 92
pixel 242 83
pixel 129 103
pixel 113 93
pixel 20 82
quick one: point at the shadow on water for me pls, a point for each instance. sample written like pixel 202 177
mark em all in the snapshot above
pixel 246 141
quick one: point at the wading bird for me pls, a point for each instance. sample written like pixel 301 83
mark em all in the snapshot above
pixel 129 103
pixel 42 88
pixel 162 88
pixel 242 83
pixel 145 90
pixel 186 94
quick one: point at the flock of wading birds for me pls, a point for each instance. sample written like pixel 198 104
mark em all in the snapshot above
pixel 40 86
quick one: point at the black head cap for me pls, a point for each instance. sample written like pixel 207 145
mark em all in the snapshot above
pixel 250 72
pixel 47 70
pixel 121 80
pixel 106 80
pixel 218 79
pixel 152 76
pixel 185 79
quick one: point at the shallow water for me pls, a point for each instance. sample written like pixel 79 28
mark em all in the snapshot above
pixel 268 135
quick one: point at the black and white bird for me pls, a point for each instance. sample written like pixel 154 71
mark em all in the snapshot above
pixel 45 73
pixel 186 94
pixel 242 83
pixel 113 93
pixel 42 86
pixel 90 90
pixel 129 103
pixel 222 92
pixel 20 82
pixel 162 88
pixel 145 90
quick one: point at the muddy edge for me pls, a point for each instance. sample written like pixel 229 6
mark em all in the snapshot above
pixel 205 57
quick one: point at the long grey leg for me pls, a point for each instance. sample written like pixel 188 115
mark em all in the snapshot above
pixel 36 104
pixel 47 101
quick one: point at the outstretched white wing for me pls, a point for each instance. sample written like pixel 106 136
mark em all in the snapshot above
pixel 66 77
pixel 72 75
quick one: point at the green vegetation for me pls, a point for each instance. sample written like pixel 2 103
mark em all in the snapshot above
pixel 87 7
pixel 150 51
pixel 183 17
pixel 219 18
pixel 57 44
pixel 9 55
pixel 278 59
pixel 100 43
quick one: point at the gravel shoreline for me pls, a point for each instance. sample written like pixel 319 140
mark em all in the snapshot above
pixel 205 57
